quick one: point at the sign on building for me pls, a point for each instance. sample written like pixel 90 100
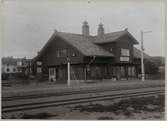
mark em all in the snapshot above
pixel 124 55
pixel 124 59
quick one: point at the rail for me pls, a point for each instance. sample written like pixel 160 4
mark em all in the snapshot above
pixel 88 98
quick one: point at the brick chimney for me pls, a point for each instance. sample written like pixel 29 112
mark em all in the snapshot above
pixel 100 30
pixel 85 28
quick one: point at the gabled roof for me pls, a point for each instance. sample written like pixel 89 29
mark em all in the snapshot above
pixel 112 37
pixel 13 61
pixel 88 45
pixel 137 54
pixel 9 60
pixel 84 44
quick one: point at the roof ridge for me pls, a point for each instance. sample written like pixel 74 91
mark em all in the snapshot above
pixel 116 31
pixel 89 35
pixel 73 33
pixel 87 40
pixel 111 33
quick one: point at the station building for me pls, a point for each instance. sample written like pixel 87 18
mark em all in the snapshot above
pixel 104 56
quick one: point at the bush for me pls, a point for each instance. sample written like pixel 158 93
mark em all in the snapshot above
pixel 151 67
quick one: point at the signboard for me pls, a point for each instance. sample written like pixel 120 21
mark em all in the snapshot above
pixel 124 52
pixel 125 59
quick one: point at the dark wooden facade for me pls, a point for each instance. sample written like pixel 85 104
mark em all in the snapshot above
pixel 123 42
pixel 85 67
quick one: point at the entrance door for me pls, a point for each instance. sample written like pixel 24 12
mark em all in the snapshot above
pixel 52 74
pixel 61 75
pixel 122 72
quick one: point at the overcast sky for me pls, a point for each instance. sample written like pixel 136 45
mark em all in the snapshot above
pixel 28 24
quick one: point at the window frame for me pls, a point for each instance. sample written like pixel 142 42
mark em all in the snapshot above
pixel 60 53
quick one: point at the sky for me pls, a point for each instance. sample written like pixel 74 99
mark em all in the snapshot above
pixel 28 24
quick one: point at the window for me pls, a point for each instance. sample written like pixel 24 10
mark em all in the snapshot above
pixel 39 63
pixel 110 49
pixel 19 63
pixel 39 70
pixel 61 53
pixel 7 69
pixel 124 52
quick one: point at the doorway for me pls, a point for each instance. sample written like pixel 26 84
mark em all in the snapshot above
pixel 52 74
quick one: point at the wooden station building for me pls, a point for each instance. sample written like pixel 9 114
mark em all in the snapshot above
pixel 104 56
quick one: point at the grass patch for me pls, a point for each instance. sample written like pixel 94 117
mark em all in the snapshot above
pixel 149 104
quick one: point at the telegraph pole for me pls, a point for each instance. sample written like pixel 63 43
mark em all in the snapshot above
pixel 142 58
pixel 68 72
pixel 142 63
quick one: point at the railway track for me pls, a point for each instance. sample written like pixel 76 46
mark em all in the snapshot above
pixel 118 94
pixel 72 92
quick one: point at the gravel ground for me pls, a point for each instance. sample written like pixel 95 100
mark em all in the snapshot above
pixel 137 108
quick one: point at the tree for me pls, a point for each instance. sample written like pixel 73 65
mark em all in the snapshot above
pixel 151 67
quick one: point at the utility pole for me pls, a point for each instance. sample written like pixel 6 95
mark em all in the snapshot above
pixel 142 58
pixel 142 63
pixel 68 72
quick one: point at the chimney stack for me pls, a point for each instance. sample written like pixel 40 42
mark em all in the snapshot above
pixel 85 28
pixel 100 30
pixel 126 29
